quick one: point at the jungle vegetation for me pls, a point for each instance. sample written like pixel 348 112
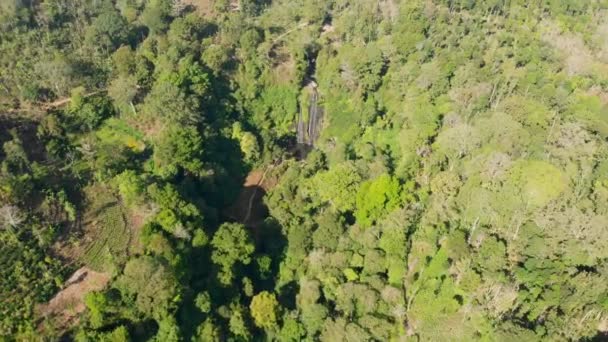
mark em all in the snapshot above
pixel 456 188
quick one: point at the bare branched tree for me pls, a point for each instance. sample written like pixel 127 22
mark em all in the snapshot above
pixel 180 232
pixel 10 217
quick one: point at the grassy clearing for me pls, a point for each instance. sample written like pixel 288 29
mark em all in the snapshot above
pixel 108 236
pixel 117 131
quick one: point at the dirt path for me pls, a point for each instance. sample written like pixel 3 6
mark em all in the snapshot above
pixel 39 108
pixel 255 192
pixel 248 208
pixel 283 35
pixel 66 100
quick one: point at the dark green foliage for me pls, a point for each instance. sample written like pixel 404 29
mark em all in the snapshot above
pixel 107 31
pixel 232 245
pixel 28 275
pixel 178 148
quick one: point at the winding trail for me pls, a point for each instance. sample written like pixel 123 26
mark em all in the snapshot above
pixel 39 108
pixel 66 100
pixel 281 36
pixel 255 192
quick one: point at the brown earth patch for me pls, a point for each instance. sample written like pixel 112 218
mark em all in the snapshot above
pixel 151 128
pixel 65 308
pixel 249 208
pixel 203 7
pixel 254 178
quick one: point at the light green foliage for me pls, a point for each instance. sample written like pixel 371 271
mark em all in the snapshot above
pixel 247 141
pixel 340 330
pixel 118 132
pixel 152 285
pixel 200 238
pixel 168 330
pixel 28 275
pixel 120 334
pixel 338 186
pixel 207 331
pixel 156 15
pixel 419 124
pixel 591 111
pixel 96 304
pixel 122 91
pixel 350 274
pixel 433 298
pixel 189 77
pixel 264 309
pixel 130 187
pixel 203 302
pixel 456 142
pixel 539 182
pixel 237 323
pixel 276 109
pixel 106 219
pixel 176 216
pixel 170 104
pixel 291 330
pixel 376 198
pixel 492 255
pixel 87 112
pixel 328 232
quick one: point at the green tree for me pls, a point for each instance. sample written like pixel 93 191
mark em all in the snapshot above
pixel 178 148
pixel 264 310
pixel 96 304
pixel 168 330
pixel 247 141
pixel 131 186
pixel 292 330
pixel 120 334
pixel 376 198
pixel 108 30
pixel 540 182
pixel 231 245
pixel 156 15
pixel 203 302
pixel 208 331
pixel 122 91
pixel 237 324
pixel 337 185
pixel 170 104
pixel 152 284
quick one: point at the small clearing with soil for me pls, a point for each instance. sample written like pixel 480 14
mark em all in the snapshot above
pixel 67 305
pixel 249 208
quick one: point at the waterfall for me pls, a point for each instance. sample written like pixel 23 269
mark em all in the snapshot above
pixel 308 131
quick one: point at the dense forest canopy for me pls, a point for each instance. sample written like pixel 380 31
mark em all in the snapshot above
pixel 303 170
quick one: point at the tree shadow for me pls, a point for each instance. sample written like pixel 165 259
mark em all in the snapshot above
pixel 248 208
